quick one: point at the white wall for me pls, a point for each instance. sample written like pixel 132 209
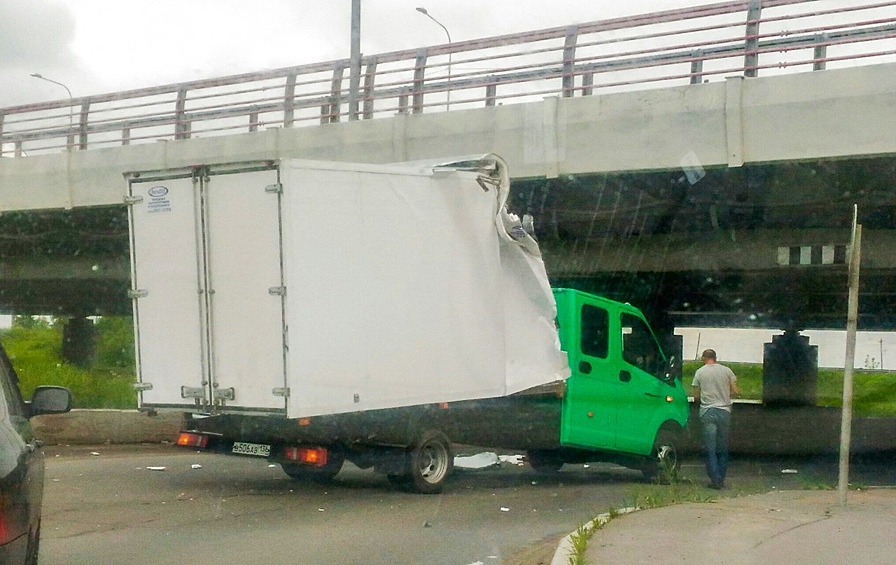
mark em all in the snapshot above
pixel 742 345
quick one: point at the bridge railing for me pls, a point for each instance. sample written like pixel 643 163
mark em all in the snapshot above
pixel 693 45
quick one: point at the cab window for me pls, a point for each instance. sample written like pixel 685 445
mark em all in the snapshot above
pixel 595 331
pixel 639 347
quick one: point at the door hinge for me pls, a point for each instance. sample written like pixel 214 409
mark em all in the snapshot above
pixel 138 293
pixel 281 391
pixel 274 188
pixel 140 387
pixel 225 393
pixel 131 200
pixel 277 291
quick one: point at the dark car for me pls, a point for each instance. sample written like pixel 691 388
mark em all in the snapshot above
pixel 22 464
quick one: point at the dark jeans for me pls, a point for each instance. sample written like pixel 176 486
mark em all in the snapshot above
pixel 716 430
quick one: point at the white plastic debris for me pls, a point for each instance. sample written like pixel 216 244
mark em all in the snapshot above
pixel 95 453
pixel 505 509
pixel 478 461
pixel 789 471
pixel 156 468
pixel 513 460
pixel 195 466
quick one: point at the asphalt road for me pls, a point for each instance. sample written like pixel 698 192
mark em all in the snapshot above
pixel 152 504
pixel 112 508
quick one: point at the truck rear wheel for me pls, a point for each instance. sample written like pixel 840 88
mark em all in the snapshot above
pixel 428 464
pixel 546 461
pixel 324 474
pixel 663 464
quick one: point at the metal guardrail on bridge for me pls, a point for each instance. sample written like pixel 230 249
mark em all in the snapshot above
pixel 692 45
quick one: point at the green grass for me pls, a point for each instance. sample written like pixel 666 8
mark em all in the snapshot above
pixel 874 391
pixel 36 355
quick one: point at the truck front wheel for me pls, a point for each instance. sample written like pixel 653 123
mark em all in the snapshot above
pixel 428 464
pixel 663 463
pixel 322 474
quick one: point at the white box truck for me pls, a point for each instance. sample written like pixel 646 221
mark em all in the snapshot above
pixel 313 312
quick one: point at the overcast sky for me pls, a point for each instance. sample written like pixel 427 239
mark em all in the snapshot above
pixel 96 46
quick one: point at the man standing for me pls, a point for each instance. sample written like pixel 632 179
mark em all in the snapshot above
pixel 714 385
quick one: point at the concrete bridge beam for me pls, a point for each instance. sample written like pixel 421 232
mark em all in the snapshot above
pixel 813 115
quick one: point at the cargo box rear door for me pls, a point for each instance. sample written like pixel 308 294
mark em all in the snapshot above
pixel 166 283
pixel 246 292
pixel 208 287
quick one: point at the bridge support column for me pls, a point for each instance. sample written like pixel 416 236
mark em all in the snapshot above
pixel 790 371
pixel 79 341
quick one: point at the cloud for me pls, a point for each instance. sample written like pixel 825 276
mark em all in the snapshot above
pixel 36 38
pixel 36 33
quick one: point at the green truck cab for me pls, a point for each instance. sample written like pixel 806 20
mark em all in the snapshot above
pixel 621 396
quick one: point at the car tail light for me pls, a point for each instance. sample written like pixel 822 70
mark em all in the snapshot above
pixel 4 530
pixel 316 456
pixel 190 439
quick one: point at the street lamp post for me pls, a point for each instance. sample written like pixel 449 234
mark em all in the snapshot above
pixel 428 15
pixel 71 102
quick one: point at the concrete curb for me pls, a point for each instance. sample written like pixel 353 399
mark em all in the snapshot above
pixel 94 427
pixel 565 549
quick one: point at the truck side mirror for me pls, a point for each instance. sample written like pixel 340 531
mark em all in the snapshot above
pixel 673 370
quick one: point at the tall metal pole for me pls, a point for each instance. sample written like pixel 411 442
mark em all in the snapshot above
pixel 355 62
pixel 855 258
pixel 428 15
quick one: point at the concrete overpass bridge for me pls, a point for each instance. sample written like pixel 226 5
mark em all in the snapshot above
pixel 701 163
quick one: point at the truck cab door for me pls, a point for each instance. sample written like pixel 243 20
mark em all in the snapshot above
pixel 589 407
pixel 643 386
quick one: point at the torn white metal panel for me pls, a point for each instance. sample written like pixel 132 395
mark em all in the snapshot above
pixel 401 290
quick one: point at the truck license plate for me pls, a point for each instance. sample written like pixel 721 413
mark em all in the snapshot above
pixel 258 449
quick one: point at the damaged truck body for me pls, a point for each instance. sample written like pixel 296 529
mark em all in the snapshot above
pixel 315 312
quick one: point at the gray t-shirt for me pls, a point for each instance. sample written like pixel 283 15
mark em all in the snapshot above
pixel 714 381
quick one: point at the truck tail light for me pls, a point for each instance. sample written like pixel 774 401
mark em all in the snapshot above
pixel 316 456
pixel 190 439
